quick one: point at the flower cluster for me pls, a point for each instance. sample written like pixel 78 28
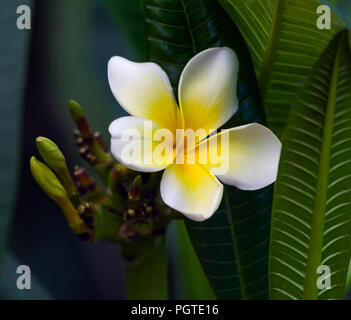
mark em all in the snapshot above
pixel 137 201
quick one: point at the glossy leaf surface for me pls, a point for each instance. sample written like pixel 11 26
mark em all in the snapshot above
pixel 284 43
pixel 233 245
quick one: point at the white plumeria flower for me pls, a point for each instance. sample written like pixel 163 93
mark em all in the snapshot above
pixel 207 99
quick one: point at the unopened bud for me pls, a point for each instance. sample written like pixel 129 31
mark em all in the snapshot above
pixel 47 180
pixel 50 184
pixel 53 156
pixel 91 145
pixel 84 129
pixel 76 110
pixel 51 153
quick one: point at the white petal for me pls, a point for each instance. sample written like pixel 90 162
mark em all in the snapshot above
pixel 192 190
pixel 249 160
pixel 207 89
pixel 138 153
pixel 143 90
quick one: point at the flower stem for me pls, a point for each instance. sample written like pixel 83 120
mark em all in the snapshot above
pixel 146 275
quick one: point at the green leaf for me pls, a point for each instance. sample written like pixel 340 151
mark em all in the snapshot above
pixel 311 217
pixel 13 62
pixel 348 280
pixel 285 43
pixel 254 19
pixel 233 245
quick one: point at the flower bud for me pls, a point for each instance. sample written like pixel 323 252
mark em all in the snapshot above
pixel 90 145
pixel 47 180
pixel 51 153
pixel 49 183
pixel 77 113
pixel 53 156
pixel 76 110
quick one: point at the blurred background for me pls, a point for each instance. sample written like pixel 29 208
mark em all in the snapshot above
pixel 64 56
pixel 68 49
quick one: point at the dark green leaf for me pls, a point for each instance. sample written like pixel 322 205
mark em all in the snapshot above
pixel 285 43
pixel 13 61
pixel 233 245
pixel 348 280
pixel 311 217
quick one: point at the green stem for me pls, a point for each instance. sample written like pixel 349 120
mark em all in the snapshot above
pixel 146 276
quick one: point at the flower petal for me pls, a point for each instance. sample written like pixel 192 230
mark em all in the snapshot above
pixel 192 190
pixel 132 144
pixel 207 89
pixel 143 90
pixel 248 160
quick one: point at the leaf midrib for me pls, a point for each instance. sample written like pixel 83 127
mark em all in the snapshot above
pixel 316 242
pixel 243 293
pixel 193 43
pixel 269 55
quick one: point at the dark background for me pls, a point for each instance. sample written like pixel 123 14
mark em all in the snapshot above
pixel 70 46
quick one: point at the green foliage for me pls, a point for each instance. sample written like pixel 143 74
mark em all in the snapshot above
pixel 348 280
pixel 311 218
pixel 276 41
pixel 233 244
pixel 13 62
pixel 136 221
pixel 285 44
pixel 234 260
